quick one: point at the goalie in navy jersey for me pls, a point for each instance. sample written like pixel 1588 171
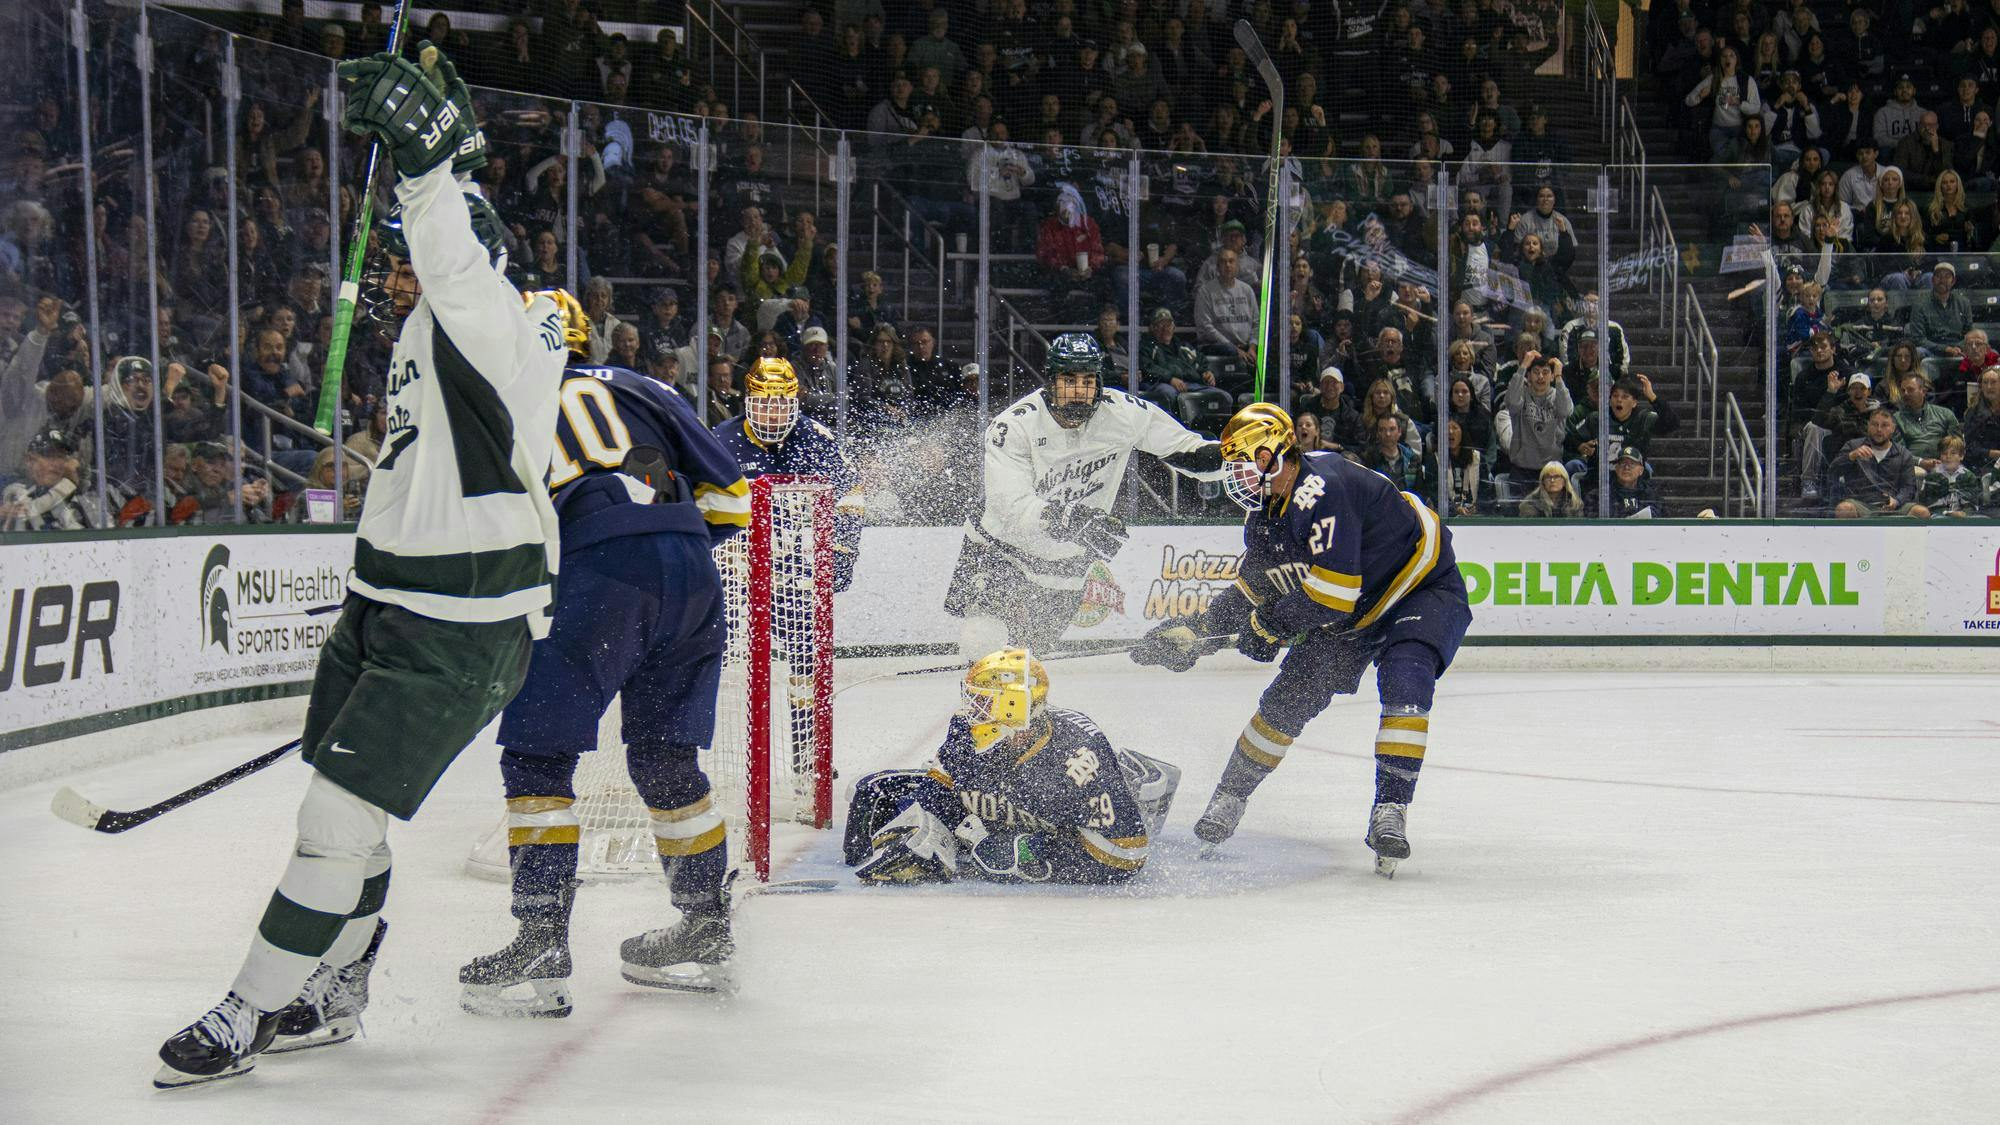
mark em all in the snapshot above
pixel 1339 570
pixel 643 492
pixel 1020 792
pixel 773 435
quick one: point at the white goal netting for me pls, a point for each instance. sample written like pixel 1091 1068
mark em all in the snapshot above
pixel 772 755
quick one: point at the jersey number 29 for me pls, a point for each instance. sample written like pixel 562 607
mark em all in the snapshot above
pixel 591 442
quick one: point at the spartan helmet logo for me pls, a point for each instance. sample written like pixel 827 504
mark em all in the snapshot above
pixel 216 619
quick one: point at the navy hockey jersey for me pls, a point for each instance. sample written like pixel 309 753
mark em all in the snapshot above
pixel 1066 790
pixel 606 413
pixel 809 450
pixel 1342 550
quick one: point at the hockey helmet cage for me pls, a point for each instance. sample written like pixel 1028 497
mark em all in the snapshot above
pixel 1258 428
pixel 376 301
pixel 1073 353
pixel 771 399
pixel 1002 695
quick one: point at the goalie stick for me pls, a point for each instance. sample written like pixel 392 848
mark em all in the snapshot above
pixel 75 808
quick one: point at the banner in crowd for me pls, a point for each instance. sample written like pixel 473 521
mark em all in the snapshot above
pixel 95 626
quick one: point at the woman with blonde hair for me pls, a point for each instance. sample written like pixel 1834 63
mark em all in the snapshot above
pixel 1555 498
pixel 1950 221
pixel 1889 191
pixel 1380 402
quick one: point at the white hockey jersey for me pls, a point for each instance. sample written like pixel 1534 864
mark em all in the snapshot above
pixel 458 524
pixel 1032 461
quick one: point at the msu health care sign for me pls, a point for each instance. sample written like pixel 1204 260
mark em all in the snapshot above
pixel 102 625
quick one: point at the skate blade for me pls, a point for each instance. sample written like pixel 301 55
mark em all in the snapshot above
pixel 1210 851
pixel 544 999
pixel 170 1079
pixel 1385 866
pixel 684 977
pixel 331 1033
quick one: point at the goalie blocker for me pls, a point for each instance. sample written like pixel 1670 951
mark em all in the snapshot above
pixel 1019 793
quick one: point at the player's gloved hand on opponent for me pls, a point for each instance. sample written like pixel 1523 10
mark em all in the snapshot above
pixel 471 153
pixel 387 95
pixel 915 847
pixel 1100 534
pixel 1175 644
pixel 1258 640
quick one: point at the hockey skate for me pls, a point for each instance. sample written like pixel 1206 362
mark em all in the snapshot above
pixel 224 1043
pixel 527 980
pixel 1387 838
pixel 1218 821
pixel 329 1010
pixel 693 955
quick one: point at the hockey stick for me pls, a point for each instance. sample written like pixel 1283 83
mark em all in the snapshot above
pixel 1253 49
pixel 933 669
pixel 73 807
pixel 350 274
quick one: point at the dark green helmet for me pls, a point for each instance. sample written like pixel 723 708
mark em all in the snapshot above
pixel 1073 353
pixel 486 226
pixel 376 301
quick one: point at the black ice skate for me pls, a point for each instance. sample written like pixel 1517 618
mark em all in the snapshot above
pixel 224 1043
pixel 1387 838
pixel 1218 821
pixel 527 980
pixel 329 1009
pixel 693 955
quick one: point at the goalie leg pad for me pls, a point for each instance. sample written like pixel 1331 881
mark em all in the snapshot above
pixel 1153 784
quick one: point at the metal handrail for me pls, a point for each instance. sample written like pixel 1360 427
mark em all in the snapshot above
pixel 1600 71
pixel 1660 241
pixel 1706 360
pixel 1740 463
pixel 1629 152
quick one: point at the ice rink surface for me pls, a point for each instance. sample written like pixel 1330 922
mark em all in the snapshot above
pixel 1634 898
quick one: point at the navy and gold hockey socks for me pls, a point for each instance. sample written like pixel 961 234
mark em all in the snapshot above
pixel 1259 749
pixel 542 834
pixel 686 828
pixel 1399 752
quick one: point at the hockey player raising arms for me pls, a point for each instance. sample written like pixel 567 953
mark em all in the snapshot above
pixel 1020 792
pixel 456 552
pixel 1345 570
pixel 643 491
pixel 1054 462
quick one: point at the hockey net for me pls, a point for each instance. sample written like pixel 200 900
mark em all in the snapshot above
pixel 772 754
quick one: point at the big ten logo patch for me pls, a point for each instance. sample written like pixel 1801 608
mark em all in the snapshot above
pixel 1102 596
pixel 1187 581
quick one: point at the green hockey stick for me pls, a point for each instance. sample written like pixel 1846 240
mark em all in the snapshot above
pixel 1253 49
pixel 350 275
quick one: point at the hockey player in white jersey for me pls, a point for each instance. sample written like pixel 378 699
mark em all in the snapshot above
pixel 454 565
pixel 1054 462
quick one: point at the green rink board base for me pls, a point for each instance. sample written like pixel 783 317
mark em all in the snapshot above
pixel 91 724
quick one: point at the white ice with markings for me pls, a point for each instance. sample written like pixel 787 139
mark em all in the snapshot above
pixel 1633 898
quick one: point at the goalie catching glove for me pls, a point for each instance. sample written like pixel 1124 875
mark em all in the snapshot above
pixel 1100 534
pixel 423 119
pixel 915 847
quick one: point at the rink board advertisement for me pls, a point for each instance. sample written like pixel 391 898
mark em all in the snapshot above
pixel 97 627
pixel 1636 579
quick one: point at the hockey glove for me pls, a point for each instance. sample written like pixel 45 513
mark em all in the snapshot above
pixel 1257 641
pixel 471 154
pixel 1100 534
pixel 1175 645
pixel 1009 857
pixel 915 847
pixel 388 96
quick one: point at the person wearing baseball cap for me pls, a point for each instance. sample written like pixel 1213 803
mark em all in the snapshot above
pixel 1231 235
pixel 797 317
pixel 1940 319
pixel 1633 493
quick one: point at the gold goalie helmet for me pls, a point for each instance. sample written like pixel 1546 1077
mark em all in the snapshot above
pixel 1003 694
pixel 575 322
pixel 771 399
pixel 1255 429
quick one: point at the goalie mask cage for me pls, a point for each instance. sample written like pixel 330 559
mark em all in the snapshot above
pixel 772 754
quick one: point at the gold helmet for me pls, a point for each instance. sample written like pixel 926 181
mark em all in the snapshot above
pixel 1257 428
pixel 1003 694
pixel 575 322
pixel 771 399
